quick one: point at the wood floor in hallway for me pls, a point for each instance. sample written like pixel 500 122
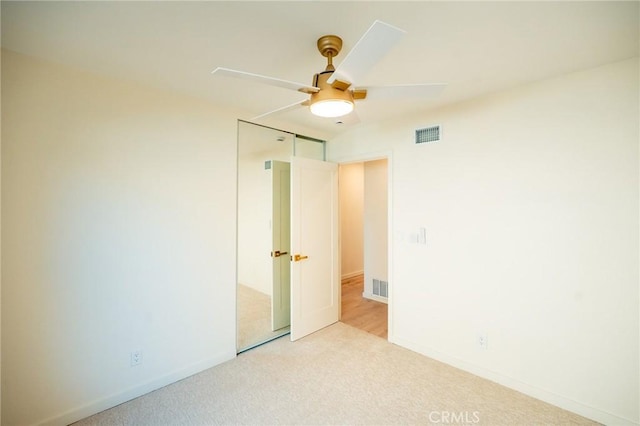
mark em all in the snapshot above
pixel 360 312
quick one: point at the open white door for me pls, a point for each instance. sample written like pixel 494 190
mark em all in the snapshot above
pixel 315 281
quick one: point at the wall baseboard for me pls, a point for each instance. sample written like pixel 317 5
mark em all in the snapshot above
pixel 375 297
pixel 111 401
pixel 352 274
pixel 532 391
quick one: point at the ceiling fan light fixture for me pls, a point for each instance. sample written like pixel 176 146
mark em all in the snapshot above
pixel 331 108
pixel 329 101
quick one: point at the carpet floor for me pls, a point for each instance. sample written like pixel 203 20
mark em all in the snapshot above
pixel 338 375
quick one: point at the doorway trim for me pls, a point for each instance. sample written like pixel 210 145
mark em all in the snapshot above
pixel 363 158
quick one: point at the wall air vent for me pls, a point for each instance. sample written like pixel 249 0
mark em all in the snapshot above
pixel 428 134
pixel 380 288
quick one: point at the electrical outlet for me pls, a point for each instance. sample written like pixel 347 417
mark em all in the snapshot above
pixel 136 357
pixel 483 340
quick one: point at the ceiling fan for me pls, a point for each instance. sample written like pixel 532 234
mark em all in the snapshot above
pixel 332 93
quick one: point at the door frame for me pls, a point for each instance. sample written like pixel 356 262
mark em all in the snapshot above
pixel 363 158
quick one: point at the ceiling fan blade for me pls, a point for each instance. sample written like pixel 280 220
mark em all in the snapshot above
pixel 372 46
pixel 405 91
pixel 292 85
pixel 280 110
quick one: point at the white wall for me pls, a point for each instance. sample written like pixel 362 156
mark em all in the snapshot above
pixel 531 209
pixel 119 234
pixel 351 187
pixel 375 224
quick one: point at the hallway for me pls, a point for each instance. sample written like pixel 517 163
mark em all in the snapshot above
pixel 357 311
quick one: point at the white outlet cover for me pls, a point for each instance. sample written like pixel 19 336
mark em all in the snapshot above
pixel 136 357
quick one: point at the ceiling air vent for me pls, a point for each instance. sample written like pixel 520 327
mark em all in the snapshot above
pixel 428 134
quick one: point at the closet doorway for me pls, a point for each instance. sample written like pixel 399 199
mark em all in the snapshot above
pixel 364 206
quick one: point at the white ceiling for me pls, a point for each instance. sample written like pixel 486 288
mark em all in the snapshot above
pixel 475 47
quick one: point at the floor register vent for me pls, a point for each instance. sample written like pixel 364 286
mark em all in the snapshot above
pixel 428 134
pixel 380 288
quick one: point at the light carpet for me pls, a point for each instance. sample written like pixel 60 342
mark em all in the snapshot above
pixel 339 375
